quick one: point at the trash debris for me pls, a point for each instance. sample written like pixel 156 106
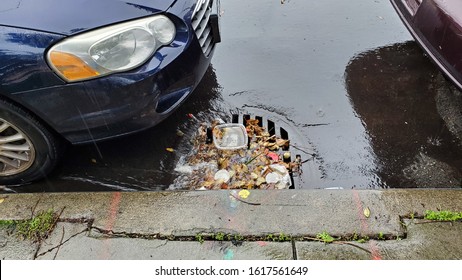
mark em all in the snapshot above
pixel 238 157
pixel 191 116
pixel 278 175
pixel 222 175
pixel 230 136
pixel 184 169
pixel 273 156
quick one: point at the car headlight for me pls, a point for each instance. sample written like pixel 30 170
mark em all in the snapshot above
pixel 116 48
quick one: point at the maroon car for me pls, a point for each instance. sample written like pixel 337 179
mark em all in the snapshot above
pixel 437 27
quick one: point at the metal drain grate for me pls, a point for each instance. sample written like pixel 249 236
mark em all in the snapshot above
pixel 274 130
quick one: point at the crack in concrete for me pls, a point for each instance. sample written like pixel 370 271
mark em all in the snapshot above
pixel 210 234
pixel 36 255
pixel 87 221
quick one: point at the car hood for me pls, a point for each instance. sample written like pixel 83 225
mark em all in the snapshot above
pixel 68 17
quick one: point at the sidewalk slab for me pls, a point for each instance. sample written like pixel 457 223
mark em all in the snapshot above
pixel 425 241
pixel 328 251
pixel 177 215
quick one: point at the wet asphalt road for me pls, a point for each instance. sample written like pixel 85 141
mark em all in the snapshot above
pixel 344 78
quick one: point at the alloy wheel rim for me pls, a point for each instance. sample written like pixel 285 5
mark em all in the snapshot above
pixel 17 152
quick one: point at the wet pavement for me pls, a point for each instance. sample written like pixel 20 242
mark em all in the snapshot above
pixel 344 78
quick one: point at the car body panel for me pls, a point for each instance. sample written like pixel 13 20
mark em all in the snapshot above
pixel 437 27
pixel 69 17
pixel 109 106
pixel 22 64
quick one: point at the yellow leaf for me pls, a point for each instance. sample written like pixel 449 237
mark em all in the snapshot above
pixel 367 212
pixel 171 150
pixel 244 194
pixel 1 200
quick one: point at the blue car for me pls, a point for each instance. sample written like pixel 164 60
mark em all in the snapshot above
pixel 78 71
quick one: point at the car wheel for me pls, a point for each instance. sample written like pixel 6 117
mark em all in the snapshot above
pixel 28 151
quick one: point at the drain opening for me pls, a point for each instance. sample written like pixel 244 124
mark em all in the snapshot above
pixel 283 134
pixel 264 161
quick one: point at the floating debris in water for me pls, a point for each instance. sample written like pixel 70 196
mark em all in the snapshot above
pixel 260 161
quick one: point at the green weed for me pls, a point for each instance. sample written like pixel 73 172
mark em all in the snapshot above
pixel 38 227
pixel 219 236
pixel 7 223
pixel 199 238
pixel 325 237
pixel 443 215
pixel 282 237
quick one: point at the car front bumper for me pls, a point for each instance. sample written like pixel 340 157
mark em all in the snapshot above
pixel 127 102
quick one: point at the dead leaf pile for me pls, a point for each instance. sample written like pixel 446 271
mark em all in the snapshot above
pixel 265 164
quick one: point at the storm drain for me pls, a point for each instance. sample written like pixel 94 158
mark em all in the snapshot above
pixel 266 162
pixel 270 127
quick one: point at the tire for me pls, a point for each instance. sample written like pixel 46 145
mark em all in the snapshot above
pixel 28 150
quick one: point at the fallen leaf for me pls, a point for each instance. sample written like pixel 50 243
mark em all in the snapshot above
pixel 238 184
pixel 223 163
pixel 244 194
pixel 171 150
pixel 367 212
pixel 281 142
pixel 208 183
pixel 260 181
pixel 1 200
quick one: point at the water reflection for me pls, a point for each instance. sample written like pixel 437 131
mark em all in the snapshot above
pixel 392 89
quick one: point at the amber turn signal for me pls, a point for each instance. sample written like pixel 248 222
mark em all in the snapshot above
pixel 70 67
